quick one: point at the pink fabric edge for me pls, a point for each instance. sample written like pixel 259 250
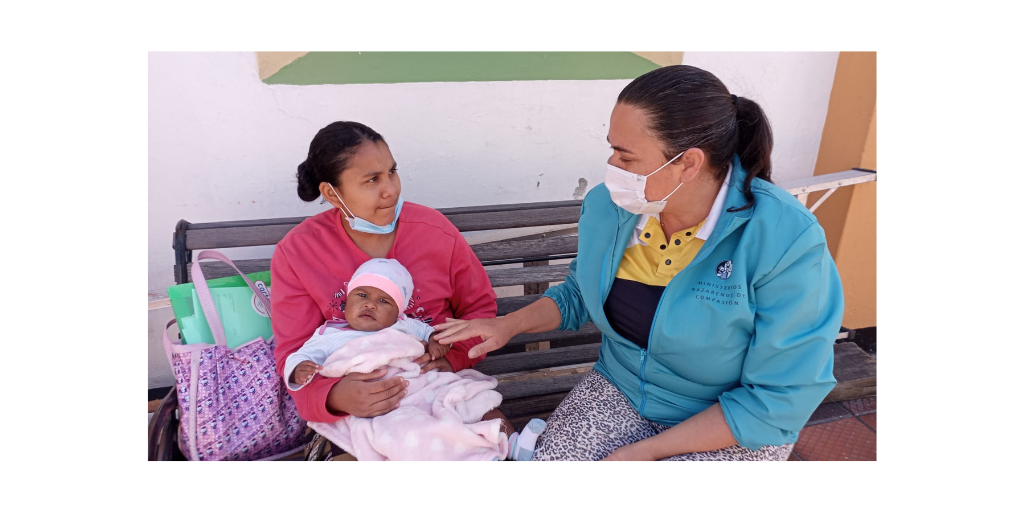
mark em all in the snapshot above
pixel 172 346
pixel 329 322
pixel 193 417
pixel 380 283
pixel 207 304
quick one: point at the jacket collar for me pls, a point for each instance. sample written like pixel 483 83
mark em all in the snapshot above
pixel 717 208
pixel 734 200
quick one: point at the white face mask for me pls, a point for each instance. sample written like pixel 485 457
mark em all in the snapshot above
pixel 627 190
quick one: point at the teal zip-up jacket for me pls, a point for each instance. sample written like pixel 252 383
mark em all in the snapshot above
pixel 757 337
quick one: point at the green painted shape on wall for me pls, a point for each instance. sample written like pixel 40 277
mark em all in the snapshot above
pixel 317 68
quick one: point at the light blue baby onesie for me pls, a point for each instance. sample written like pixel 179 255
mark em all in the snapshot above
pixel 329 338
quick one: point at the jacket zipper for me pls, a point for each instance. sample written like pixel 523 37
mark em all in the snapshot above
pixel 650 336
pixel 643 382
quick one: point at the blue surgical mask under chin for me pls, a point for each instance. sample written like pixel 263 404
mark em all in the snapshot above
pixel 365 226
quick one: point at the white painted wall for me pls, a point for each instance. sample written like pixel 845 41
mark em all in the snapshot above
pixel 224 146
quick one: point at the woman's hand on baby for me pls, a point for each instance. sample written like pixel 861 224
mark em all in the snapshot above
pixel 440 364
pixel 304 372
pixel 433 356
pixel 355 396
pixel 435 349
pixel 494 331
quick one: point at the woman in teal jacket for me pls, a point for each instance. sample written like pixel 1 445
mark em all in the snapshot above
pixel 714 290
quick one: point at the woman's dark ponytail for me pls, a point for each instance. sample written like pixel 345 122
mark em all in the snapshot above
pixel 328 155
pixel 691 108
pixel 754 146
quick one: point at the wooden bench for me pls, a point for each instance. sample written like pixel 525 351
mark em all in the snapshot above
pixel 534 371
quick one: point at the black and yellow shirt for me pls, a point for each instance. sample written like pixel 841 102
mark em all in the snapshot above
pixel 650 261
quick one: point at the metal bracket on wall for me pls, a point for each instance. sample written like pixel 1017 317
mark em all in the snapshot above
pixel 829 182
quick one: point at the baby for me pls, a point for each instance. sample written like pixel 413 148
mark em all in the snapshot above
pixel 377 294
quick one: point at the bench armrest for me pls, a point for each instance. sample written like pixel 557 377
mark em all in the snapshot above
pixel 163 429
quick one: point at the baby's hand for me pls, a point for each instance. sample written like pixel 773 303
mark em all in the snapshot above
pixel 435 349
pixel 304 372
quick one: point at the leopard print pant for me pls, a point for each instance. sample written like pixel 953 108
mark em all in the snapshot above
pixel 595 418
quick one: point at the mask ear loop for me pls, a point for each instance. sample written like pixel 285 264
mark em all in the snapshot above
pixel 660 168
pixel 673 191
pixel 349 214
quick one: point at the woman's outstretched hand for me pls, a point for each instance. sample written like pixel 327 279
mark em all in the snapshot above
pixel 494 331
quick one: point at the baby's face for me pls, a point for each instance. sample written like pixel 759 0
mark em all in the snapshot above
pixel 370 309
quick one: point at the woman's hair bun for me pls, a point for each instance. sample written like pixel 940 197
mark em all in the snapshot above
pixel 309 185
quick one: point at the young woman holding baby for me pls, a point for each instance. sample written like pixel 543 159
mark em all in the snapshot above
pixel 351 167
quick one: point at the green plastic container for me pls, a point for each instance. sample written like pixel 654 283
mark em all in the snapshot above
pixel 244 318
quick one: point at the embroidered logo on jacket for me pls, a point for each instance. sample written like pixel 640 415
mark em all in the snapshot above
pixel 724 269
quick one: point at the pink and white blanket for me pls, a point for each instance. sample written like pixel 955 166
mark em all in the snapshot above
pixel 439 418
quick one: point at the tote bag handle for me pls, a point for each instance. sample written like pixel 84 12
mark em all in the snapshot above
pixel 206 300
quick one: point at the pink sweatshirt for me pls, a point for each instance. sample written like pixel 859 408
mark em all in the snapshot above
pixel 313 263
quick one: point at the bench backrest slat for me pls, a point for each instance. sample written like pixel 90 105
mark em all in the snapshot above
pixel 216 269
pixel 515 219
pixel 246 223
pixel 531 406
pixel 487 253
pixel 587 332
pixel 527 275
pixel 547 247
pixel 507 305
pixel 244 236
pixel 250 233
pixel 499 364
pixel 513 207
pixel 498 276
pixel 538 386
